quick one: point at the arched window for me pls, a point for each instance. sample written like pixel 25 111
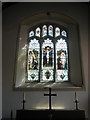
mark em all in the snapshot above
pixel 47 54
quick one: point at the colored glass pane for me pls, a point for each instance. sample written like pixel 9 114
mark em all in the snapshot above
pixel 33 59
pixel 50 30
pixel 31 33
pixel 47 59
pixel 61 60
pixel 44 30
pixel 57 31
pixel 37 32
pixel 64 33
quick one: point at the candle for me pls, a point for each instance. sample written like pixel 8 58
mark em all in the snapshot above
pixel 75 96
pixel 23 95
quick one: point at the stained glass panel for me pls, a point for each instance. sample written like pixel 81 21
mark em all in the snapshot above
pixel 57 31
pixel 50 30
pixel 33 60
pixel 47 60
pixel 62 75
pixel 64 33
pixel 47 75
pixel 44 30
pixel 37 32
pixel 61 60
pixel 31 33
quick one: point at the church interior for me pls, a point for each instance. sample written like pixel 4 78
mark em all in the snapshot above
pixel 34 84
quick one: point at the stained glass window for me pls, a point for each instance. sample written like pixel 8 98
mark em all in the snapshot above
pixel 48 55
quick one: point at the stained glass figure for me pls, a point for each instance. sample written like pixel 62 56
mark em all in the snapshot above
pixel 50 30
pixel 57 31
pixel 64 33
pixel 31 33
pixel 37 32
pixel 33 59
pixel 47 59
pixel 44 30
pixel 61 60
pixel 47 54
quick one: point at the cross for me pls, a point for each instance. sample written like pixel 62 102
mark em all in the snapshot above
pixel 50 95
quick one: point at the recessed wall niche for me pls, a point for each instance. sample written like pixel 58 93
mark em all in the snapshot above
pixel 48 53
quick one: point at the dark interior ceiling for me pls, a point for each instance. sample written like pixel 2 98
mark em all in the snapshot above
pixel 8 4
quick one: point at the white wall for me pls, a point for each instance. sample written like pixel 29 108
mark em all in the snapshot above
pixel 11 19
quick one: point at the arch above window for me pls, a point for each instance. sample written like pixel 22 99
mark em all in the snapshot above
pixel 48 53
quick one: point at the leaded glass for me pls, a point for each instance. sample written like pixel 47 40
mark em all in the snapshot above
pixel 50 30
pixel 48 36
pixel 47 75
pixel 64 33
pixel 61 60
pixel 37 32
pixel 62 75
pixel 47 60
pixel 33 60
pixel 31 33
pixel 57 31
pixel 44 31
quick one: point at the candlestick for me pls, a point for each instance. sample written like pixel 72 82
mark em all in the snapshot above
pixel 75 96
pixel 23 100
pixel 76 102
pixel 11 114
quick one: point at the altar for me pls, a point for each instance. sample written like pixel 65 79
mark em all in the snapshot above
pixel 50 115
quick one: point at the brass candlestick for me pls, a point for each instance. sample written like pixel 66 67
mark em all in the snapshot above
pixel 76 102
pixel 24 101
